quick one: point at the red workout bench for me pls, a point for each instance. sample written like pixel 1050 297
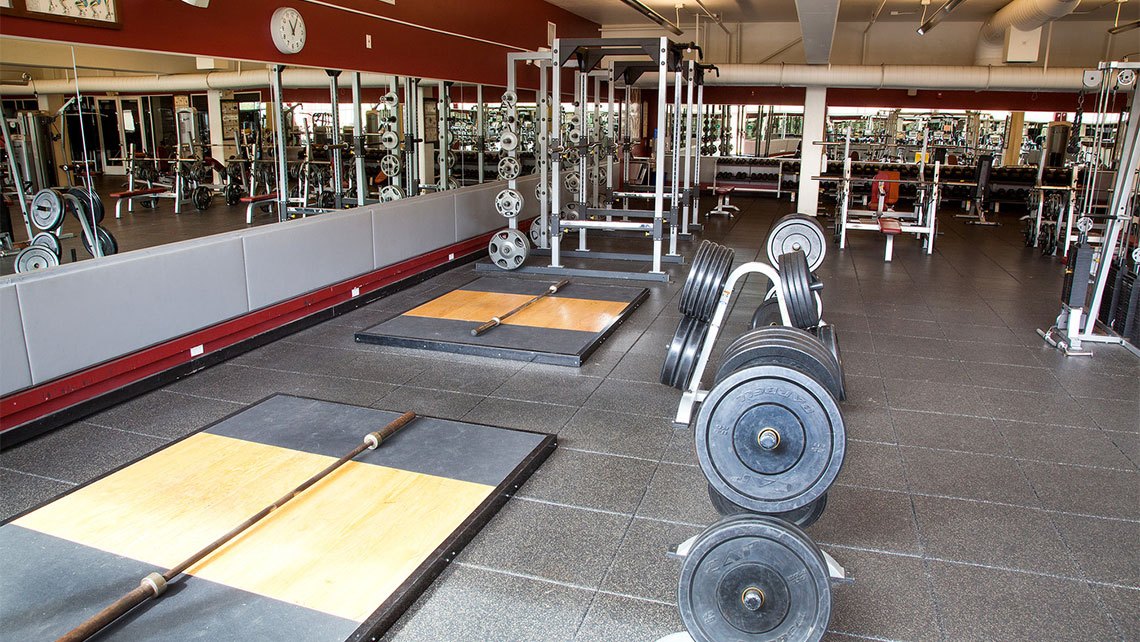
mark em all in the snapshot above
pixel 133 194
pixel 723 206
pixel 254 200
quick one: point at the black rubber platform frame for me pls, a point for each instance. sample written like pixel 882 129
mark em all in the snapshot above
pixel 31 604
pixel 514 342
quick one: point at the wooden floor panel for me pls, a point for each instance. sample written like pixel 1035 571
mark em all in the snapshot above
pixel 341 548
pixel 561 313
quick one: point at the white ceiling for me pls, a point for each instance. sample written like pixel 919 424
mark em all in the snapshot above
pixel 614 12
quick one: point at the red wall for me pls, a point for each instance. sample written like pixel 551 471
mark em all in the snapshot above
pixel 240 29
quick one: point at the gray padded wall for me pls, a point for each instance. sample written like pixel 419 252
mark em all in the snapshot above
pixel 15 372
pixel 82 314
pixel 406 228
pixel 291 258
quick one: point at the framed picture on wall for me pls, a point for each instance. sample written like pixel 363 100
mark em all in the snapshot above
pixel 95 13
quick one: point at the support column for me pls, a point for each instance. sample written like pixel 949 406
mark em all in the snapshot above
pixel 811 154
pixel 358 140
pixel 1013 137
pixel 217 135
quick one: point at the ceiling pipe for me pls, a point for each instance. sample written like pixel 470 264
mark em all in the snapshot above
pixel 293 77
pixel 648 12
pixel 1025 15
pixel 932 77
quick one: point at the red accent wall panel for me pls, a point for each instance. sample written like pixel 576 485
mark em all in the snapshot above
pixel 336 39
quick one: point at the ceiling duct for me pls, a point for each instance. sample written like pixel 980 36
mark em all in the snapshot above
pixel 1017 16
pixel 817 24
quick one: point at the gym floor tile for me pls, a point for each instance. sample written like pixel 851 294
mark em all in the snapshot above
pixel 444 404
pixel 1063 444
pixel 899 327
pixel 990 604
pixel 1123 608
pixel 950 432
pixel 548 387
pixel 858 363
pixel 865 391
pixel 982 333
pixel 869 423
pixel 1047 408
pixel 616 433
pixel 678 494
pixel 992 535
pixel 469 604
pixel 967 475
pixel 869 519
pixel 1085 491
pixel 1113 415
pixel 642 567
pixel 590 480
pixel 164 414
pixel 614 618
pixel 325 335
pixel 983 352
pixel 681 448
pixel 951 399
pixel 22 491
pixel 639 366
pixel 452 374
pixel 855 342
pixel 558 543
pixel 1099 385
pixel 891 597
pixel 1011 377
pixel 248 384
pixel 81 453
pixel 1104 548
pixel 873 464
pixel 921 369
pixel 649 399
pixel 524 415
pixel 912 346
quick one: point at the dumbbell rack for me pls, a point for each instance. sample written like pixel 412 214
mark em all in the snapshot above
pixel 693 394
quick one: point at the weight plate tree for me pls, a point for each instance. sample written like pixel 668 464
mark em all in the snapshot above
pixel 783 346
pixel 751 578
pixel 798 286
pixel 35 257
pixel 797 232
pixel 802 517
pixel 508 249
pixel 770 438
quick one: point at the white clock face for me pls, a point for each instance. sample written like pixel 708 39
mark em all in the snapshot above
pixel 288 30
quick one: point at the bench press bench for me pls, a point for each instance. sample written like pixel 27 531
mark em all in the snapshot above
pixel 133 194
pixel 251 201
pixel 723 206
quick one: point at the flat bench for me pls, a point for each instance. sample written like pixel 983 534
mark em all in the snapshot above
pixel 132 194
pixel 723 206
pixel 251 201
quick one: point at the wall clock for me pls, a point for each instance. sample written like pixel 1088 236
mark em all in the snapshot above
pixel 288 30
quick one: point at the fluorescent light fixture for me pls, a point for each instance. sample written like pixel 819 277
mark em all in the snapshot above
pixel 641 8
pixel 1128 26
pixel 938 16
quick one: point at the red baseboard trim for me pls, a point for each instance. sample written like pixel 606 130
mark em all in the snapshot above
pixel 59 394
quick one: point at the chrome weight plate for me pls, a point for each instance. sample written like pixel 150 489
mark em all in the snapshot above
pixel 797 232
pixel 508 249
pixel 390 193
pixel 50 241
pixel 390 164
pixel 802 517
pixel 390 99
pixel 508 141
pixel 508 203
pixel 770 438
pixel 509 168
pixel 791 347
pixel 35 257
pixel 389 140
pixel 510 98
pixel 749 578
pixel 798 286
pixel 46 210
pixel 572 182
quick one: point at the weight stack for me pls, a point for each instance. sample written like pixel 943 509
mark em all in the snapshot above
pixel 1108 312
pixel 1075 288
